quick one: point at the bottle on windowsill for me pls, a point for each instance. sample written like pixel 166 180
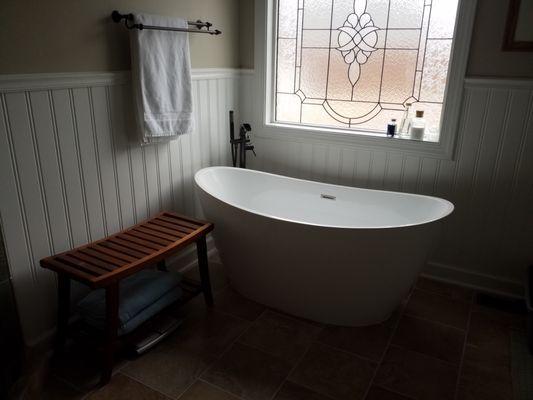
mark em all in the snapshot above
pixel 405 124
pixel 418 126
pixel 391 128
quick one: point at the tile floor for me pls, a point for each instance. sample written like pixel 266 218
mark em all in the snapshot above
pixel 439 345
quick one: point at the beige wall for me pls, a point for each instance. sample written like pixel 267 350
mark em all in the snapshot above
pixel 246 36
pixel 78 35
pixel 486 57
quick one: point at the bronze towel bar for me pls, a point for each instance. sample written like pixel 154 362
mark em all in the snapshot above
pixel 128 22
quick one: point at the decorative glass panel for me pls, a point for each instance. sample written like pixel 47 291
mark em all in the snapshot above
pixel 357 63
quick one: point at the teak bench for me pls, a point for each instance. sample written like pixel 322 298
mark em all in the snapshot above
pixel 104 263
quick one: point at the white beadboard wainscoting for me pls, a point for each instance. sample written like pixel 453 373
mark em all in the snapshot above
pixel 70 173
pixel 488 241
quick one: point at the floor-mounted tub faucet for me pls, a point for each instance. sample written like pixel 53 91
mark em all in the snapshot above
pixel 241 145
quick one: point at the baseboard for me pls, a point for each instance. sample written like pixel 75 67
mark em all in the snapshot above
pixel 475 280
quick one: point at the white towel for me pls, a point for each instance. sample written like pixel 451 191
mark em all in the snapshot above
pixel 161 75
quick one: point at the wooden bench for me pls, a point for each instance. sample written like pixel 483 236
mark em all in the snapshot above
pixel 104 263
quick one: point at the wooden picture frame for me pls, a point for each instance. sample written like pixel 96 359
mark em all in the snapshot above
pixel 516 19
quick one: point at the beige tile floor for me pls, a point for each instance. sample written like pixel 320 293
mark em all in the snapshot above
pixel 439 345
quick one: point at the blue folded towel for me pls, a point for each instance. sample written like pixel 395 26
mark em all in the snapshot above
pixel 141 296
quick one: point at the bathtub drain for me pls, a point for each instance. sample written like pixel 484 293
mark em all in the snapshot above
pixel 328 196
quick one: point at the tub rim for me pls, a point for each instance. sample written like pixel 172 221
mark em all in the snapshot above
pixel 449 205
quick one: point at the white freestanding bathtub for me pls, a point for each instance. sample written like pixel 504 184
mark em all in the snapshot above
pixel 333 254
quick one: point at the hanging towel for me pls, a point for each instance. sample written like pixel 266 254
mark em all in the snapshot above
pixel 161 76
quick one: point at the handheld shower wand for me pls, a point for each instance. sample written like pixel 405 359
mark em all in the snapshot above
pixel 241 145
pixel 233 143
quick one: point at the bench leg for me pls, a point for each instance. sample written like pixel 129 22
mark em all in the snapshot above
pixel 112 295
pixel 201 248
pixel 63 310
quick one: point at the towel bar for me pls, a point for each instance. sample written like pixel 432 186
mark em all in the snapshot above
pixel 117 17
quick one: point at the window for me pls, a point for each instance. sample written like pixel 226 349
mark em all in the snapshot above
pixel 356 64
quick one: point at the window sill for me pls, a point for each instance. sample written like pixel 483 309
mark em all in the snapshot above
pixel 358 140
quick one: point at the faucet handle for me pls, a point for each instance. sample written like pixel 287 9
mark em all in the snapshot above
pixel 251 147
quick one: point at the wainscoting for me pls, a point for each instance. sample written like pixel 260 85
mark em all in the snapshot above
pixel 71 174
pixel 488 241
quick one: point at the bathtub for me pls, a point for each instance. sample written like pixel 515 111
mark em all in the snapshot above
pixel 333 254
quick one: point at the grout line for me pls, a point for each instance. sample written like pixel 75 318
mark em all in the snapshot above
pixel 450 364
pixel 296 364
pixel 396 392
pixel 71 385
pixel 133 378
pixel 434 322
pixel 393 332
pixel 310 388
pixel 443 295
pixel 216 387
pixel 347 352
pixel 461 363
pixel 219 357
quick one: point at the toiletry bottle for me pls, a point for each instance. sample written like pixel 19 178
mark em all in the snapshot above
pixel 404 126
pixel 391 128
pixel 418 126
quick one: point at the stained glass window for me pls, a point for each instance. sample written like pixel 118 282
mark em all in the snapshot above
pixel 357 63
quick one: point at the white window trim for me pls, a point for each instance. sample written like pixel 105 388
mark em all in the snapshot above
pixel 263 94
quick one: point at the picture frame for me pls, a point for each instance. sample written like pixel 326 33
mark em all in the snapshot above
pixel 518 34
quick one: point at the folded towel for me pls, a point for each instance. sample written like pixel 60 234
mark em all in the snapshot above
pixel 161 75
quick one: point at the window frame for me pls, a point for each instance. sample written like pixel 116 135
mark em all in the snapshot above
pixel 265 78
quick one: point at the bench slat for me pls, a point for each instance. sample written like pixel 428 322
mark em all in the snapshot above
pixel 84 266
pixel 182 220
pixel 172 226
pixel 150 238
pixel 130 245
pixel 160 228
pixel 113 253
pixel 151 245
pixel 92 260
pixel 104 257
pixel 125 250
pixel 161 235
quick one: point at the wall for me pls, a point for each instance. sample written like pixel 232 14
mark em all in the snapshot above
pixel 486 57
pixel 78 35
pixel 69 173
pixel 246 36
pixel 488 240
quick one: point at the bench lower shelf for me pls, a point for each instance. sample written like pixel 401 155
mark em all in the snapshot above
pixel 147 335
